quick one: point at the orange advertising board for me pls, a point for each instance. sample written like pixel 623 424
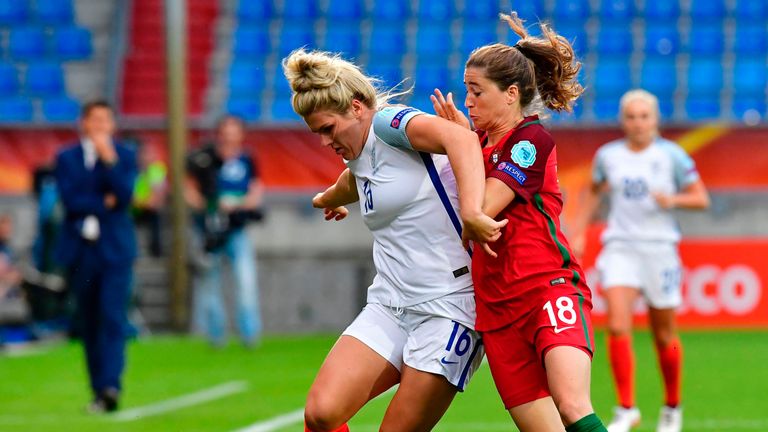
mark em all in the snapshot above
pixel 724 283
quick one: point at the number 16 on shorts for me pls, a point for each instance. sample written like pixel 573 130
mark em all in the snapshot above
pixel 462 355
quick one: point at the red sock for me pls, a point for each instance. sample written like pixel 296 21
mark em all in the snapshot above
pixel 623 367
pixel 670 362
pixel 342 428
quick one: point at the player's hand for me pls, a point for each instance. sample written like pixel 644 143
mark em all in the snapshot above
pixel 337 213
pixel 105 150
pixel 664 201
pixel 445 108
pixel 482 229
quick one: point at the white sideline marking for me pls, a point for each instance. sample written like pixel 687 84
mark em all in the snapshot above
pixel 701 424
pixel 188 400
pixel 288 419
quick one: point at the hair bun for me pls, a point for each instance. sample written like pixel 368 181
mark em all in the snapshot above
pixel 308 71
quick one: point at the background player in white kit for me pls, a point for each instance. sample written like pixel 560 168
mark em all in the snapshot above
pixel 417 328
pixel 646 176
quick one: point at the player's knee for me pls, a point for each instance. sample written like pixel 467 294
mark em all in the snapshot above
pixel 618 327
pixel 321 414
pixel 573 409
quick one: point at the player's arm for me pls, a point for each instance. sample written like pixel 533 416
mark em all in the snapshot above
pixel 692 197
pixel 333 200
pixel 587 209
pixel 436 135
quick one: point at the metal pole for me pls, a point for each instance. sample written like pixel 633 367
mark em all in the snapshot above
pixel 176 60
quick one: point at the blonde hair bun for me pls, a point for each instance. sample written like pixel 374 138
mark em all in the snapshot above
pixel 307 71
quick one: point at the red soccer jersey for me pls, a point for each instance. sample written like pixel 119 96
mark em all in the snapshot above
pixel 533 253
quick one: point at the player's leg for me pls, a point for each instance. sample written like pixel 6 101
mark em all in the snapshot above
pixel 538 415
pixel 568 373
pixel 670 356
pixel 420 401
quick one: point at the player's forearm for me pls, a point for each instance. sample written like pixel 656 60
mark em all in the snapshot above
pixel 343 192
pixel 691 200
pixel 588 208
pixel 467 163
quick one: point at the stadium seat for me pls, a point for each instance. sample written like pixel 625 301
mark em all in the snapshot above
pixel 255 11
pixel 615 11
pixel 749 77
pixel 246 78
pixel 27 43
pixel 577 36
pixel 662 40
pixel 54 12
pixel 391 11
pixel 386 41
pixel 707 10
pixel 389 74
pixel 294 36
pixel 72 43
pixel 473 37
pixel 16 110
pixel 428 76
pixel 656 11
pixel 344 38
pixel 614 40
pixel 750 110
pixel 703 108
pixel 280 85
pixel 530 10
pixel 282 110
pixel 300 10
pixel 751 10
pixel 750 39
pixel 659 76
pixel 13 12
pixel 44 79
pixel 247 108
pixel 61 109
pixel 705 76
pixel 433 41
pixel 9 79
pixel 571 10
pixel 421 101
pixel 666 108
pixel 436 11
pixel 606 109
pixel 481 10
pixel 612 77
pixel 706 40
pixel 345 10
pixel 252 42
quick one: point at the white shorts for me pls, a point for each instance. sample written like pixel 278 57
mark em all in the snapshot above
pixel 653 268
pixel 425 342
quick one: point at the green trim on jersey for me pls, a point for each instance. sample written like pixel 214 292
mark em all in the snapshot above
pixel 532 122
pixel 566 263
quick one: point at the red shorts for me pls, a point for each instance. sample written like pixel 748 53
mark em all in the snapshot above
pixel 561 316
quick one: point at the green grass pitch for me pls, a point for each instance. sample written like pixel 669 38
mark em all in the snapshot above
pixel 725 382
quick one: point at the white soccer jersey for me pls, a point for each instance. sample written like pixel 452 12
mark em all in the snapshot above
pixel 633 177
pixel 409 202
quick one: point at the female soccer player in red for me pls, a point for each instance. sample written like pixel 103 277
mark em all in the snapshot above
pixel 533 304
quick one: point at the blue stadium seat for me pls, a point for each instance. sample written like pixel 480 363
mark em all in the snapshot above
pixel 387 41
pixel 666 107
pixel 255 11
pixel 61 109
pixel 433 41
pixel 571 10
pixel 606 109
pixel 577 36
pixel 659 76
pixel 749 109
pixel 422 102
pixel 13 12
pixel 294 36
pixel 568 117
pixel 481 10
pixel 617 10
pixel 707 10
pixel 656 11
pixel 9 79
pixel 391 11
pixel 72 43
pixel 614 40
pixel 428 76
pixel 661 40
pixel 252 42
pixel 749 77
pixel 16 110
pixel 530 10
pixel 246 78
pixel 344 38
pixel 705 76
pixel 436 11
pixel 750 39
pixel 475 36
pixel 27 43
pixel 751 10
pixel 706 40
pixel 703 107
pixel 281 110
pixel 300 10
pixel 612 77
pixel 280 85
pixel 345 10
pixel 44 79
pixel 56 12
pixel 390 74
pixel 249 109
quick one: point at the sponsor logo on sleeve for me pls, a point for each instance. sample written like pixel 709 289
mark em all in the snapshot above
pixel 513 171
pixel 524 154
pixel 395 123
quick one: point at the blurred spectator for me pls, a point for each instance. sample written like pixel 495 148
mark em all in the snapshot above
pixel 149 195
pixel 97 244
pixel 14 312
pixel 225 190
pixel 10 276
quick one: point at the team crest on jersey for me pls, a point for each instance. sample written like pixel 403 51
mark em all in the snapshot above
pixel 524 154
pixel 495 157
pixel 395 123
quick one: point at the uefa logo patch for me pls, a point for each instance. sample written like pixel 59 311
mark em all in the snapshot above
pixel 524 154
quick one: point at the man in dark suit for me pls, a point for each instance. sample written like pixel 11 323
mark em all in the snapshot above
pixel 97 244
